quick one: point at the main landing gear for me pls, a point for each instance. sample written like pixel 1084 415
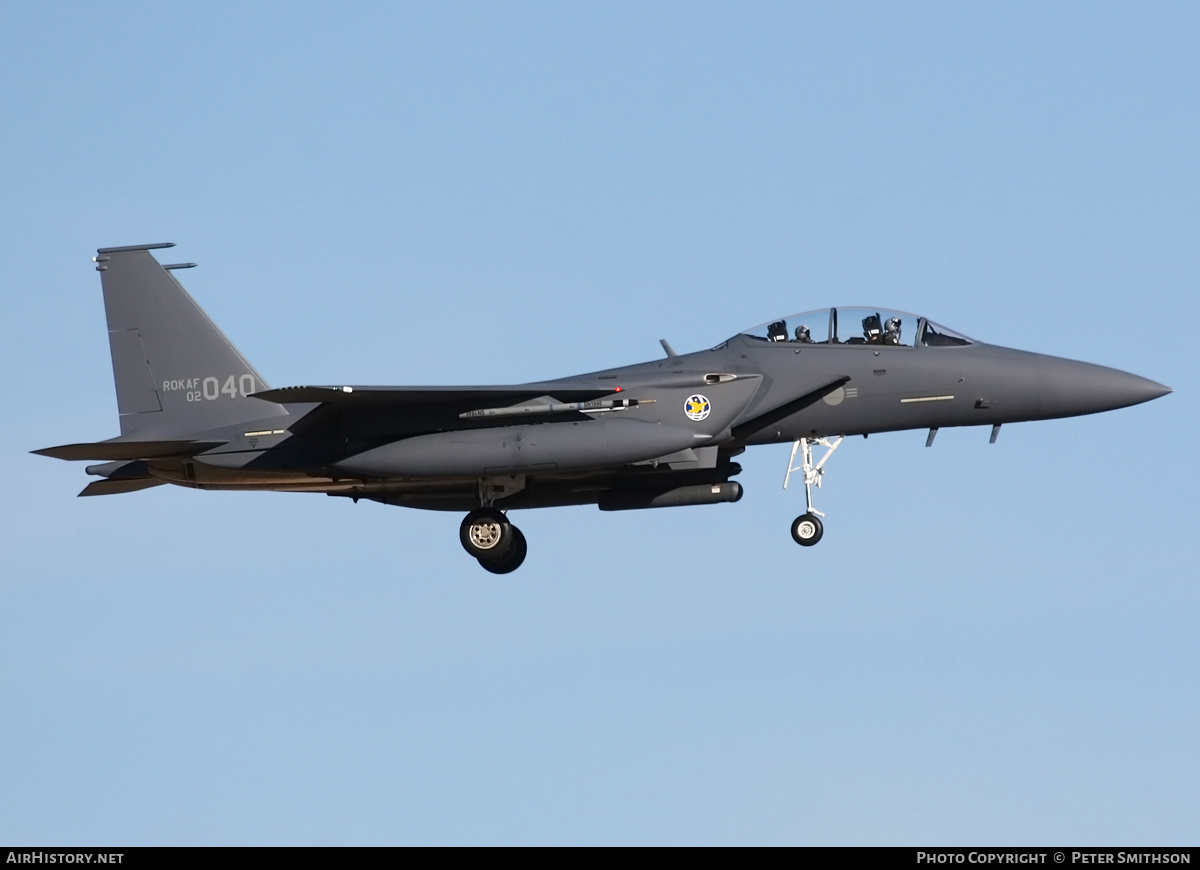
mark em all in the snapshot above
pixel 496 543
pixel 807 528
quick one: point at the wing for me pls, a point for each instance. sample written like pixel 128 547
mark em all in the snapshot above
pixel 426 396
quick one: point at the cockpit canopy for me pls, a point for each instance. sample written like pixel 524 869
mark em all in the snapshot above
pixel 864 326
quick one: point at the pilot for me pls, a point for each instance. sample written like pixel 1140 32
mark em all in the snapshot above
pixel 892 335
pixel 872 329
pixel 803 336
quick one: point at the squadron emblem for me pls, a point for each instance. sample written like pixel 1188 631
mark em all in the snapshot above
pixel 697 407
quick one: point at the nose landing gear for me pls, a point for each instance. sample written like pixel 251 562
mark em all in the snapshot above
pixel 496 543
pixel 807 528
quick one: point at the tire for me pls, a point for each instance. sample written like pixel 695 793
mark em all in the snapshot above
pixel 807 530
pixel 486 534
pixel 512 560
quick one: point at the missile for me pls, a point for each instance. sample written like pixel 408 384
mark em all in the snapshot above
pixel 556 408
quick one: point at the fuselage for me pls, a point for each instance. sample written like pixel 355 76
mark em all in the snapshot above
pixel 753 390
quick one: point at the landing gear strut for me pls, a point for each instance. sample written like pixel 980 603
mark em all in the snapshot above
pixel 807 528
pixel 496 543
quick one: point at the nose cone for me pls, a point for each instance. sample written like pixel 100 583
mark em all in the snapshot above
pixel 1068 387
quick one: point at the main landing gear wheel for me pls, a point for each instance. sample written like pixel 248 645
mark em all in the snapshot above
pixel 807 530
pixel 487 534
pixel 512 560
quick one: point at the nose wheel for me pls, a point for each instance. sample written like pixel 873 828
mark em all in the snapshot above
pixel 496 543
pixel 807 528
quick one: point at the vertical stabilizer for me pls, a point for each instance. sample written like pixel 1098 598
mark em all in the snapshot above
pixel 175 371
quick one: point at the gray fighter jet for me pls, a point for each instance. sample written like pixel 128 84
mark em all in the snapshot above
pixel 664 433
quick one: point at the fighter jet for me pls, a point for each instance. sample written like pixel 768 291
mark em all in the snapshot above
pixel 664 433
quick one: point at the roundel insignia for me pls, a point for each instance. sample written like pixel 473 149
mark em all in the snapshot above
pixel 697 407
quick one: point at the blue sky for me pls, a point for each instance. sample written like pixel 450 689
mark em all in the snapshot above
pixel 992 644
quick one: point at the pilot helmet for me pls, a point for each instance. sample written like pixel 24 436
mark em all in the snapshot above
pixel 802 334
pixel 893 324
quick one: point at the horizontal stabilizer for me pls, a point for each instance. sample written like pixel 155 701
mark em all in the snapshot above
pixel 121 469
pixel 428 395
pixel 113 450
pixel 116 487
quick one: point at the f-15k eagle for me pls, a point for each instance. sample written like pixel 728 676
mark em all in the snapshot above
pixel 195 413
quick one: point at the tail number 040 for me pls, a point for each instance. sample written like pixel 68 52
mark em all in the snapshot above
pixel 212 388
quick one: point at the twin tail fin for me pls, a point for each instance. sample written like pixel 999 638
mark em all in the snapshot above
pixel 175 371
